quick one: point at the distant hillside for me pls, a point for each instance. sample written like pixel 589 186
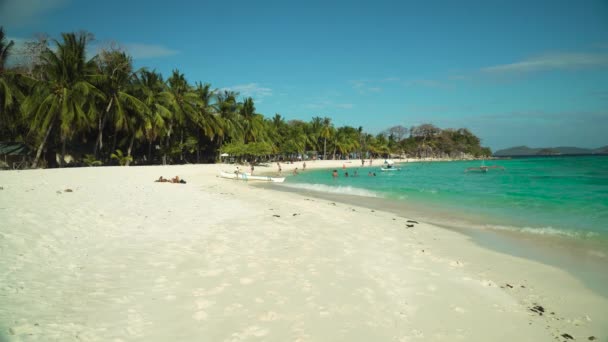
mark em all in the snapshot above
pixel 601 150
pixel 548 151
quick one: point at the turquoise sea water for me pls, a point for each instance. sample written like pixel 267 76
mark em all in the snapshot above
pixel 562 196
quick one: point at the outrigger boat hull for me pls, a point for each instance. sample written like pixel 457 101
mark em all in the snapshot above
pixel 244 176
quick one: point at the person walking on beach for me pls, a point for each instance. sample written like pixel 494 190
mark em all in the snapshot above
pixel 279 166
pixel 370 161
pixel 343 166
pixel 252 169
pixel 304 166
pixel 362 162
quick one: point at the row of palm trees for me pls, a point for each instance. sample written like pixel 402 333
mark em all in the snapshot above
pixel 64 102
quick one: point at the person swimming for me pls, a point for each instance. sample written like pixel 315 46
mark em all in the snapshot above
pixel 345 174
pixel 335 174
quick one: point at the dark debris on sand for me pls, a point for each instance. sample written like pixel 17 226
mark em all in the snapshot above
pixel 538 309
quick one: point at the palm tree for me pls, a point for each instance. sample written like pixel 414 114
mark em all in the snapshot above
pixel 184 104
pixel 210 124
pixel 65 96
pixel 115 80
pixel 10 94
pixel 226 107
pixel 326 133
pixel 150 88
pixel 5 49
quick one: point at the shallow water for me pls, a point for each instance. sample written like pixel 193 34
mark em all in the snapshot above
pixel 565 196
pixel 552 210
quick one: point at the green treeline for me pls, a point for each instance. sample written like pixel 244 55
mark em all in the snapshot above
pixel 101 110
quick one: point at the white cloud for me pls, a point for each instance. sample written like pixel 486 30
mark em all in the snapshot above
pixel 326 104
pixel 345 105
pixel 427 83
pixel 143 51
pixel 250 90
pixel 21 12
pixel 551 62
pixel 363 87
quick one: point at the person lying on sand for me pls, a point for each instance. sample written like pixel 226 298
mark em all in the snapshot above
pixel 175 179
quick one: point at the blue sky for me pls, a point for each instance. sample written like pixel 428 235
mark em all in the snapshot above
pixel 514 72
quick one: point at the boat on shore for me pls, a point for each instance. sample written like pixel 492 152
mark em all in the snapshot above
pixel 246 176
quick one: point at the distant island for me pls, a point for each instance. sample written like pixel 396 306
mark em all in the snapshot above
pixel 548 151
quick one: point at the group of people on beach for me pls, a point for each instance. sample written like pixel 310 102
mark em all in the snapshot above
pixel 175 179
pixel 295 171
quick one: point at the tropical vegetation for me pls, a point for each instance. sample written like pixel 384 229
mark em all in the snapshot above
pixel 100 110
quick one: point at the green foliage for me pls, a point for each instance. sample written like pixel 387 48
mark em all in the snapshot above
pixel 256 149
pixel 90 160
pixel 63 99
pixel 121 158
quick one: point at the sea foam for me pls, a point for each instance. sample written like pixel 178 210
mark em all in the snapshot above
pixel 343 190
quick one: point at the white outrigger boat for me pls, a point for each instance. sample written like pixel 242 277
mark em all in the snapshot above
pixel 483 168
pixel 246 176
pixel 389 165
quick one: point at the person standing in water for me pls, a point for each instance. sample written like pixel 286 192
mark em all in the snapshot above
pixel 295 171
pixel 335 174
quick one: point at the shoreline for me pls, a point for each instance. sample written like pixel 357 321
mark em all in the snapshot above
pixel 122 257
pixel 584 258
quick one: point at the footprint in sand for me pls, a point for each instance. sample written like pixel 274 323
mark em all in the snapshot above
pixel 269 316
pixel 246 281
pixel 200 316
pixel 455 263
pixel 458 309
pixel 203 304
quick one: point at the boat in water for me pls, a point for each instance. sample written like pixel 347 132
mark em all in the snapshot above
pixel 389 165
pixel 246 176
pixel 483 168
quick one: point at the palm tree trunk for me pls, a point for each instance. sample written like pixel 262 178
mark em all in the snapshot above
pixel 100 124
pixel 324 148
pixel 41 146
pixel 150 151
pixel 62 155
pixel 129 149
pixel 181 146
pixel 114 142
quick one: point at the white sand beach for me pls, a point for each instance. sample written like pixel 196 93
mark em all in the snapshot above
pixel 122 258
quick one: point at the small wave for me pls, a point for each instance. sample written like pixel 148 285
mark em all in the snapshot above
pixel 547 231
pixel 344 190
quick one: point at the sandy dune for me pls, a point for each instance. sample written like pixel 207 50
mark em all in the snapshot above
pixel 121 258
